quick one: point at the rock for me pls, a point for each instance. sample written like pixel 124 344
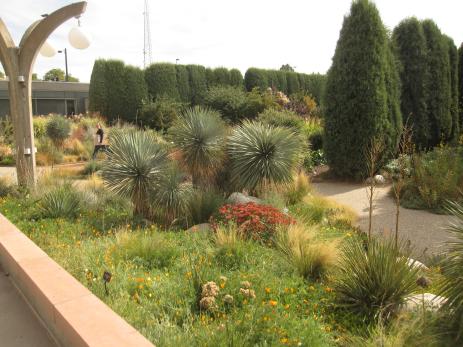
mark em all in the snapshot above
pixel 239 198
pixel 379 179
pixel 431 302
pixel 204 227
pixel 416 264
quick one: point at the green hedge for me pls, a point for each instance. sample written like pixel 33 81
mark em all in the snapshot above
pixel 286 81
pixel 161 79
pixel 198 83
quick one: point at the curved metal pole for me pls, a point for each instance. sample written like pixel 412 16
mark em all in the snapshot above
pixel 18 62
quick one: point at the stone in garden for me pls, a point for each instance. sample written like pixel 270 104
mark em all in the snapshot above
pixel 203 227
pixel 379 179
pixel 239 198
pixel 431 302
pixel 416 264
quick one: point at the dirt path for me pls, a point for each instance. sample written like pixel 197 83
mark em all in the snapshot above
pixel 425 230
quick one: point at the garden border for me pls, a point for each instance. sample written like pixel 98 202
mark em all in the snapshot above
pixel 71 313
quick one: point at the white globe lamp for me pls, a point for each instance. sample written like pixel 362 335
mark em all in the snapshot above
pixel 47 50
pixel 78 38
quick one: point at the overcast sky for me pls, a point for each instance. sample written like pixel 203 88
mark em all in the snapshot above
pixel 233 33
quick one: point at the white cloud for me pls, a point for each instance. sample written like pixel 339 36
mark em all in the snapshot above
pixel 235 33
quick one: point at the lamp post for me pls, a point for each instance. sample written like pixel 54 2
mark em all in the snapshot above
pixel 17 62
pixel 176 61
pixel 66 63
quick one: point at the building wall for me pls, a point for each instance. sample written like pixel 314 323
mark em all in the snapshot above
pixel 51 97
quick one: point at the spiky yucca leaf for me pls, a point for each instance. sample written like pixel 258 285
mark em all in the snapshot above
pixel 173 195
pixel 262 153
pixel 199 135
pixel 62 201
pixel 134 166
pixel 374 281
pixel 451 286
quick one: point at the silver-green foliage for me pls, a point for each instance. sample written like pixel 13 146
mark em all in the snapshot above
pixel 62 201
pixel 262 153
pixel 134 166
pixel 451 286
pixel 374 278
pixel 199 135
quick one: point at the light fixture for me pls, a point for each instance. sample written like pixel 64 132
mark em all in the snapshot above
pixel 78 37
pixel 47 50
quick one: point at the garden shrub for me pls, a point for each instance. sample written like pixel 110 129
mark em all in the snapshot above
pixel 97 94
pixel 229 101
pixel 281 118
pixel 62 201
pixel 160 113
pixel 161 79
pixel 374 278
pixel 91 167
pixel 236 78
pixel 262 154
pixel 6 187
pixel 135 92
pixel 435 177
pixel 183 83
pixel 220 77
pixel 58 129
pixel 361 93
pixel 40 126
pixel 257 222
pixel 198 83
pixel 257 102
pixel 292 81
pixel 203 205
pixel 151 250
pixel 311 258
pixel 255 78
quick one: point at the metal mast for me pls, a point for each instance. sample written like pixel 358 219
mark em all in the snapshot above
pixel 146 36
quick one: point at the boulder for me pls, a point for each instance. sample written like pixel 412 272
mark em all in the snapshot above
pixel 378 179
pixel 431 302
pixel 204 227
pixel 239 198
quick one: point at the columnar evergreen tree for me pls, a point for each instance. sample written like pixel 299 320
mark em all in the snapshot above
pixel 359 100
pixel 438 84
pixel 282 82
pixel 161 79
pixel 454 107
pixel 410 49
pixel 116 89
pixel 255 78
pixel 97 96
pixel 221 76
pixel 134 94
pixel 293 83
pixel 198 85
pixel 183 83
pixel 236 78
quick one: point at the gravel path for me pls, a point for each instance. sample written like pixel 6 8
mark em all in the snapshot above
pixel 425 230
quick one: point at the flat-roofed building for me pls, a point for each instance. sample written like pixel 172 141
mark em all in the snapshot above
pixel 64 98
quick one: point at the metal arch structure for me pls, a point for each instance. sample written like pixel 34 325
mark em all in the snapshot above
pixel 17 62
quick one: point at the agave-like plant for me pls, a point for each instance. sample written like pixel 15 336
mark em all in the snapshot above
pixel 62 201
pixel 134 166
pixel 173 195
pixel 375 278
pixel 199 136
pixel 262 153
pixel 451 286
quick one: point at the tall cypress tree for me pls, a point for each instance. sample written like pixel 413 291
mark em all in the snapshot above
pixel 438 84
pixel 134 94
pixel 97 96
pixel 161 79
pixel 198 83
pixel 460 84
pixel 358 98
pixel 410 49
pixel 183 83
pixel 453 77
pixel 236 78
pixel 116 89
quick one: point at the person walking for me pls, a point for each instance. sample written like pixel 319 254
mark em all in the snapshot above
pixel 99 140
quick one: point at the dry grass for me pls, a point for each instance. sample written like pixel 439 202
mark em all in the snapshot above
pixel 338 214
pixel 311 257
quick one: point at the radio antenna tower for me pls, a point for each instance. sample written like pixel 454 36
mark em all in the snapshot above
pixel 146 37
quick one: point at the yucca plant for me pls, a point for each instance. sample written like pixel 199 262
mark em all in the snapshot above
pixel 451 286
pixel 173 195
pixel 134 167
pixel 374 278
pixel 62 201
pixel 199 136
pixel 262 154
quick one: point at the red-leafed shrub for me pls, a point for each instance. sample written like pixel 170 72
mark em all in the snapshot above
pixel 254 221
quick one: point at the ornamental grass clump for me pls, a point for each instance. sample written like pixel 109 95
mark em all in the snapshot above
pixel 62 201
pixel 311 258
pixel 257 222
pixel 374 278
